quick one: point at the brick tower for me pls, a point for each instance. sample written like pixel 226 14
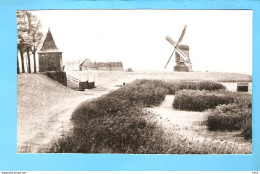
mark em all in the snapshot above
pixel 50 57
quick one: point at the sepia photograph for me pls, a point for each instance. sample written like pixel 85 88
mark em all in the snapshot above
pixel 134 81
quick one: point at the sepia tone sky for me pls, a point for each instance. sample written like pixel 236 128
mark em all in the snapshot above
pixel 219 40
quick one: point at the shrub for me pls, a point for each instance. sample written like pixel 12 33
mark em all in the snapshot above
pixel 139 94
pixel 244 100
pixel 201 100
pixel 247 128
pixel 120 134
pixel 236 116
pixel 59 76
pixel 130 70
pixel 228 117
pixel 200 85
pixel 117 123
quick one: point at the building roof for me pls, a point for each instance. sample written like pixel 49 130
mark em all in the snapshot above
pixel 97 64
pixel 49 45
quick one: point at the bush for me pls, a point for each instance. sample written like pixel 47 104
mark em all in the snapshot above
pixel 200 85
pixel 236 116
pixel 203 85
pixel 130 70
pixel 228 117
pixel 201 100
pixel 247 128
pixel 139 94
pixel 115 122
pixel 59 76
pixel 119 134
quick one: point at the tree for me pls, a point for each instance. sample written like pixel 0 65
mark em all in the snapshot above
pixel 18 69
pixel 36 36
pixel 20 36
pixel 29 36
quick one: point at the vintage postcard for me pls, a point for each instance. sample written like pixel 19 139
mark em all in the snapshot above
pixel 134 81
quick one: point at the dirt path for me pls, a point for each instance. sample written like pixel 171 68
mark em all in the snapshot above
pixel 190 126
pixel 52 123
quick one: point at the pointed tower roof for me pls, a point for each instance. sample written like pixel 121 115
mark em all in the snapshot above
pixel 49 44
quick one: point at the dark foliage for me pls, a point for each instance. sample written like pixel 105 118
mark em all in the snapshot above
pixel 117 123
pixel 236 116
pixel 201 100
pixel 200 85
pixel 59 76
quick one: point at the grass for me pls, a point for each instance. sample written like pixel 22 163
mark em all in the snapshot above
pixel 117 123
pixel 37 96
pixel 179 145
pixel 105 77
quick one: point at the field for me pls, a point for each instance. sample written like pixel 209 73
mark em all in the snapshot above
pixel 46 106
pixel 108 78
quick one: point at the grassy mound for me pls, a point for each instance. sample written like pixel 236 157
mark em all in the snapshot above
pixel 192 100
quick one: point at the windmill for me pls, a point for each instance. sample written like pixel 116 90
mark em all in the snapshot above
pixel 182 58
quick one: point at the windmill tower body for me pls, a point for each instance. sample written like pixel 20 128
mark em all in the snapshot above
pixel 50 57
pixel 182 57
pixel 181 64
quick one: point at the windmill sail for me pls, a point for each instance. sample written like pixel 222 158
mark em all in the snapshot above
pixel 170 40
pixel 169 58
pixel 182 34
pixel 183 56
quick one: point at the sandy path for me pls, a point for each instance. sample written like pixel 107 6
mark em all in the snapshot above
pixel 190 126
pixel 188 122
pixel 53 123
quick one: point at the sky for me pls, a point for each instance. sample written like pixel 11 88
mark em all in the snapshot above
pixel 219 40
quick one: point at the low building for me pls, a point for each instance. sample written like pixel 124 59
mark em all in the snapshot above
pixel 87 64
